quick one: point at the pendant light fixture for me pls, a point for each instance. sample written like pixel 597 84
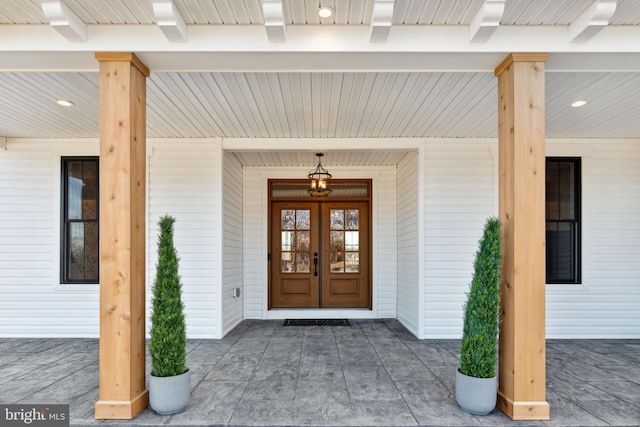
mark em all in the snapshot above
pixel 319 180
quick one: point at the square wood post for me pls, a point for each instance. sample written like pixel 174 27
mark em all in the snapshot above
pixel 123 393
pixel 521 117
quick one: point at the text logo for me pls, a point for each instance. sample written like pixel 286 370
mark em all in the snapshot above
pixel 34 415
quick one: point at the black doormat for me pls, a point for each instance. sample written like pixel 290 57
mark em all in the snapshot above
pixel 316 322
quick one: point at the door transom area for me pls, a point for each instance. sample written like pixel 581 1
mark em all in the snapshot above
pixel 320 250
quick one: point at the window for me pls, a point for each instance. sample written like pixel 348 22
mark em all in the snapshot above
pixel 80 234
pixel 563 220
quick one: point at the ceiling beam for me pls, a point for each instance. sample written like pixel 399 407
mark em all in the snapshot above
pixel 486 21
pixel 381 20
pixel 592 21
pixel 274 21
pixel 170 21
pixel 65 21
pixel 317 48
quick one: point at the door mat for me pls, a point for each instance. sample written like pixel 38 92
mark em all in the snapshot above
pixel 316 322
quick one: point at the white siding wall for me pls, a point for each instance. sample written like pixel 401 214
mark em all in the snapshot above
pixel 460 193
pixel 607 304
pixel 232 308
pixel 255 244
pixel 383 226
pixel 184 182
pixel 33 303
pixel 408 243
pixel 385 253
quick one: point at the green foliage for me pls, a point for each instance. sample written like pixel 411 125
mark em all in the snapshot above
pixel 482 310
pixel 168 329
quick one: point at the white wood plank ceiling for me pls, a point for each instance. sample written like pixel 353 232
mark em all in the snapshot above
pixel 301 12
pixel 320 105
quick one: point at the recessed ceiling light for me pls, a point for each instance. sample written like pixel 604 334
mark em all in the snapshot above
pixel 579 103
pixel 325 12
pixel 65 103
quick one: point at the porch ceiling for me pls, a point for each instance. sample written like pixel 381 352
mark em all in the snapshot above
pixel 326 80
pixel 319 105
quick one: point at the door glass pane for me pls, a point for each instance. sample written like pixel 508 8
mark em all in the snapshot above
pixel 288 219
pixel 351 241
pixel 352 219
pixel 352 262
pixel 302 263
pixel 337 219
pixel 287 241
pixel 302 241
pixel 287 262
pixel 337 251
pixel 345 245
pixel 303 220
pixel 295 240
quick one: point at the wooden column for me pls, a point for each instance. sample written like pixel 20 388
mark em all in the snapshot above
pixel 123 393
pixel 521 117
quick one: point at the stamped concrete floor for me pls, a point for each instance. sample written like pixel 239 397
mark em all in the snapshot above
pixel 373 373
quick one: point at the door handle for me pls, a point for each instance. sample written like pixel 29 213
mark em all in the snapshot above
pixel 315 263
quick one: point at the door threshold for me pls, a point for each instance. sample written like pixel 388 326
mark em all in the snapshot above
pixel 320 313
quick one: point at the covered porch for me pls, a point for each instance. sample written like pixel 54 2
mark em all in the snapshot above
pixel 373 373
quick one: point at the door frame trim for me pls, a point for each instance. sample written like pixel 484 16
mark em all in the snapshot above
pixel 371 247
pixel 259 177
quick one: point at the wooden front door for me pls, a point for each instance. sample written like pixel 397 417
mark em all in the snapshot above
pixel 320 255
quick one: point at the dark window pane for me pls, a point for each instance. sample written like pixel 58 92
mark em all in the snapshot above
pixel 551 190
pixel 90 191
pixel 560 252
pixel 91 250
pixel 80 227
pixel 76 251
pixel 566 186
pixel 74 198
pixel 562 210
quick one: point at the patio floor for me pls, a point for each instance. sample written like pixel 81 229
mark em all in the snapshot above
pixel 373 373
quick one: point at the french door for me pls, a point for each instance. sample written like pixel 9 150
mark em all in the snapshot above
pixel 320 255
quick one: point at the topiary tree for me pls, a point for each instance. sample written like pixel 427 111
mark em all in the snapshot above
pixel 168 329
pixel 482 309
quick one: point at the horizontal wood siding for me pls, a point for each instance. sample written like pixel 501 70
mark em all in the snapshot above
pixel 254 248
pixel 182 183
pixel 460 193
pixel 408 241
pixel 607 304
pixel 33 303
pixel 385 253
pixel 232 308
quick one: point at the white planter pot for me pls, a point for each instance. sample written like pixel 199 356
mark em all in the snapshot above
pixel 476 396
pixel 168 395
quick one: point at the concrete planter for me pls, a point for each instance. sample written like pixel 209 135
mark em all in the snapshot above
pixel 476 396
pixel 168 395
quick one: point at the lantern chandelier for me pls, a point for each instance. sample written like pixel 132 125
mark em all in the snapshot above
pixel 319 180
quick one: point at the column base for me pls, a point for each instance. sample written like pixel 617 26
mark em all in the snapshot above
pixel 121 409
pixel 523 410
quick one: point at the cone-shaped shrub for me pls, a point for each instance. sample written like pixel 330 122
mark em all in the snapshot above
pixel 168 330
pixel 482 310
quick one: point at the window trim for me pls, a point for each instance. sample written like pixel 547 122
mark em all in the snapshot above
pixel 64 247
pixel 579 200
